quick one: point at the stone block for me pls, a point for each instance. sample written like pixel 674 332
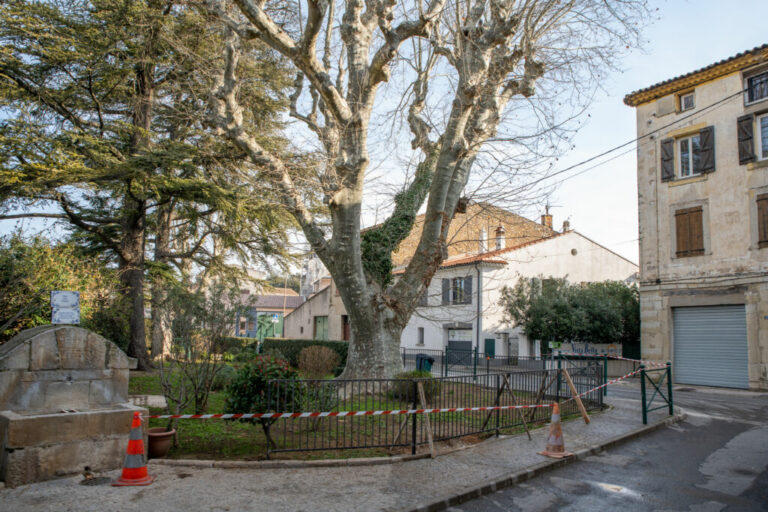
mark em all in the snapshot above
pixel 116 358
pixel 9 382
pixel 17 358
pixel 44 429
pixel 66 395
pixel 120 386
pixel 101 393
pixel 44 353
pixel 80 349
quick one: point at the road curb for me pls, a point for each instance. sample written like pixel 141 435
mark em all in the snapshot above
pixel 286 464
pixel 473 492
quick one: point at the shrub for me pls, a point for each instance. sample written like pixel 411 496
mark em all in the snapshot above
pixel 402 388
pixel 249 392
pixel 276 354
pixel 236 345
pixel 223 377
pixel 292 348
pixel 317 361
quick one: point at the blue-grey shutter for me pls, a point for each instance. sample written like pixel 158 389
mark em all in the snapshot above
pixel 707 149
pixel 667 159
pixel 446 291
pixel 468 290
pixel 745 139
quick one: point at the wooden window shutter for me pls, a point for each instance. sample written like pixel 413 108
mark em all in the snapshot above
pixel 746 141
pixel 667 159
pixel 707 149
pixel 446 291
pixel 695 231
pixel 468 290
pixel 681 233
pixel 762 220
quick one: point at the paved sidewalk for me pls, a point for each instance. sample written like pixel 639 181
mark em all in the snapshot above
pixel 426 483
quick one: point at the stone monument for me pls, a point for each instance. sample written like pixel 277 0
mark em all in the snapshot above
pixel 63 404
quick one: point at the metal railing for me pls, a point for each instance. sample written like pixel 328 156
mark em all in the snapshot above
pixel 405 432
pixel 453 362
pixel 662 374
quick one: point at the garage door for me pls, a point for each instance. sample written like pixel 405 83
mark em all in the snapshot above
pixel 710 346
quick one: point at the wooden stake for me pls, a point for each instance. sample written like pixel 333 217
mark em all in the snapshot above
pixel 576 397
pixel 514 402
pixel 423 401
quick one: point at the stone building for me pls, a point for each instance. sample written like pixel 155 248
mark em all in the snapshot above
pixel 703 209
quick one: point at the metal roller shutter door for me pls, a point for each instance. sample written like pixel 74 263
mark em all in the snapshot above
pixel 710 346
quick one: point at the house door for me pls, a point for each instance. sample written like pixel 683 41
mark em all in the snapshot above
pixel 490 347
pixel 710 346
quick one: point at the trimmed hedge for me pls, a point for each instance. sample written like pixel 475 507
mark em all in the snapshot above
pixel 291 348
pixel 234 345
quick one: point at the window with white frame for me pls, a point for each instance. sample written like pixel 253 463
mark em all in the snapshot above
pixel 762 137
pixel 421 336
pixel 689 151
pixel 757 87
pixel 686 102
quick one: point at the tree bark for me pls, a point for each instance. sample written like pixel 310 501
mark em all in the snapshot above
pixel 161 315
pixel 132 276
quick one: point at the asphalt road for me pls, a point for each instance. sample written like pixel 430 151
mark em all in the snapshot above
pixel 717 459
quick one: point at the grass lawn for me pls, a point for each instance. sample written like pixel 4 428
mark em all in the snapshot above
pixel 228 439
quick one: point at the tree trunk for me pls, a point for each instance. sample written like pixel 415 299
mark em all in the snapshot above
pixel 161 315
pixel 374 350
pixel 132 276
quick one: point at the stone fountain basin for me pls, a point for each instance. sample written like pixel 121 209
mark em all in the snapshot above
pixel 37 447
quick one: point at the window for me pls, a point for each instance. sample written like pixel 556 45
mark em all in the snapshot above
pixel 689 232
pixel 762 137
pixel 686 102
pixel 421 336
pixel 690 156
pixel 242 325
pixel 424 299
pixel 457 290
pixel 321 328
pixel 762 221
pixel 757 87
pixel 458 293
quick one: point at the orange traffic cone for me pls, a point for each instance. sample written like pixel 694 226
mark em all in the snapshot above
pixel 555 442
pixel 134 468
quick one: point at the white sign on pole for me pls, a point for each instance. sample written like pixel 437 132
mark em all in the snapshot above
pixel 65 307
pixel 275 318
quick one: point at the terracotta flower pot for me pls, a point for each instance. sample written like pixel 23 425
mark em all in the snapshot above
pixel 159 441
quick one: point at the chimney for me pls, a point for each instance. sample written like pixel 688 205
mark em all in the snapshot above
pixel 566 226
pixel 483 240
pixel 500 238
pixel 546 220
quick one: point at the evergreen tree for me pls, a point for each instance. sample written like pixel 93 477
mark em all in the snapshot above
pixel 103 107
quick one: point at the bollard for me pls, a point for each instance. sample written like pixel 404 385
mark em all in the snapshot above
pixel 642 394
pixel 413 428
pixel 669 387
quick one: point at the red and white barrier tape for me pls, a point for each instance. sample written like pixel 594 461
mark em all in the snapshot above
pixel 654 363
pixel 613 381
pixel 277 415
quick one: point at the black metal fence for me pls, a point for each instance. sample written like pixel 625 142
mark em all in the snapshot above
pixel 405 432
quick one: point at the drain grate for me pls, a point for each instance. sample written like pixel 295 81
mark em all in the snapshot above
pixel 99 480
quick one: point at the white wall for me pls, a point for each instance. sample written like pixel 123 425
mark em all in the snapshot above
pixel 570 255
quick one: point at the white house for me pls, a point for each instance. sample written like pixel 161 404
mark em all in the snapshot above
pixel 454 317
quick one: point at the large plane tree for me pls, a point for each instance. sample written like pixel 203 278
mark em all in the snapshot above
pixel 467 63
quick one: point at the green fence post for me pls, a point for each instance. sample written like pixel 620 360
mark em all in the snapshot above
pixel 642 394
pixel 474 365
pixel 559 373
pixel 415 406
pixel 445 362
pixel 669 387
pixel 498 402
pixel 605 374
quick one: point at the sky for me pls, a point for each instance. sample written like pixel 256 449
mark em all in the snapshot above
pixel 684 36
pixel 602 203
